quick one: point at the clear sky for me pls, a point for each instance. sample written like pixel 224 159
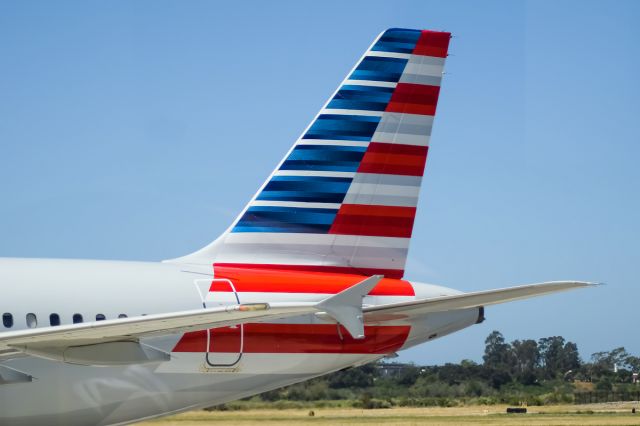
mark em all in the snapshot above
pixel 138 130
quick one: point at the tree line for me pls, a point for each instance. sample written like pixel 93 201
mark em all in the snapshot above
pixel 552 358
pixel 549 370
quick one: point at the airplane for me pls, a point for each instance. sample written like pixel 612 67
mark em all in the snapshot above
pixel 307 280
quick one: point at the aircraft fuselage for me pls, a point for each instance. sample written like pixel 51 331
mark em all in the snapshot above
pixel 205 368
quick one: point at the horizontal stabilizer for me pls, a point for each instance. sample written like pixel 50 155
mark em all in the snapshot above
pixel 346 306
pixel 475 299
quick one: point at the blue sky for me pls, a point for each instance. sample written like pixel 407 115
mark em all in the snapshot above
pixel 138 130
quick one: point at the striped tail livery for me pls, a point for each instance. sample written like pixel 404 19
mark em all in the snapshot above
pixel 344 197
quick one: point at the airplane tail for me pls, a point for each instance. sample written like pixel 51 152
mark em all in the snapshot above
pixel 344 197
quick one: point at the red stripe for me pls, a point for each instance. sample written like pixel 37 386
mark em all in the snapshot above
pixel 303 279
pixel 296 338
pixel 394 148
pixel 414 99
pixel 433 43
pixel 379 221
pixel 383 211
pixel 394 159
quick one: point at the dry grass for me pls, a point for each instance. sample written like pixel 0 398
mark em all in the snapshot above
pixel 593 414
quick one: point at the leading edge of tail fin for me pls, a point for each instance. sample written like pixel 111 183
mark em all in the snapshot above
pixel 344 197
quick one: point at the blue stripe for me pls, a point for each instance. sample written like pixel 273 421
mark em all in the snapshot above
pixel 397 40
pixel 379 69
pixel 312 189
pixel 286 219
pixel 302 196
pixel 288 227
pixel 343 127
pixel 324 158
pixel 368 98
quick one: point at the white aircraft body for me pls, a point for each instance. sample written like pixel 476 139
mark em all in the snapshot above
pixel 306 281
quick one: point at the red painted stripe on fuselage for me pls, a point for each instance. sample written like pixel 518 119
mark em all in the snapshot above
pixel 296 338
pixel 293 279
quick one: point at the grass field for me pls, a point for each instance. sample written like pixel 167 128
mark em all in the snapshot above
pixel 593 414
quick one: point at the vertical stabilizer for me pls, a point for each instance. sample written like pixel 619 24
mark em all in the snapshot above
pixel 344 197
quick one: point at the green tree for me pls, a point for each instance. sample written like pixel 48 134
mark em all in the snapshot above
pixel 527 358
pixel 570 357
pixel 634 363
pixel 558 357
pixel 551 355
pixel 454 374
pixel 497 353
pixel 408 375
pixel 618 357
pixel 358 377
pixel 607 360
pixel 498 360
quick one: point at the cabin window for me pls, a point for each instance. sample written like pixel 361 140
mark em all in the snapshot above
pixel 7 320
pixel 32 320
pixel 100 317
pixel 122 316
pixel 77 318
pixel 54 320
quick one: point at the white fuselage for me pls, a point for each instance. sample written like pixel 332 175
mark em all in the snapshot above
pixel 202 371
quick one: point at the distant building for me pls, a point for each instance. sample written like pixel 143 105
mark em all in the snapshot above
pixel 391 369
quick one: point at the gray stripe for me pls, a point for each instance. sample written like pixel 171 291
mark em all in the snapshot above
pixel 429 80
pixel 419 120
pixel 410 124
pixel 387 179
pixel 401 128
pixel 381 200
pixel 426 60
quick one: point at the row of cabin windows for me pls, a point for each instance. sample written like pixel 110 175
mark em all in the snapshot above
pixel 54 319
